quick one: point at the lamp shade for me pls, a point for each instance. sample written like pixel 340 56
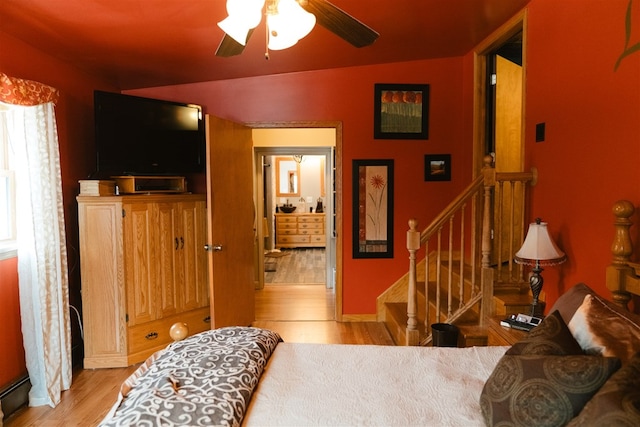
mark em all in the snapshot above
pixel 290 24
pixel 244 15
pixel 539 247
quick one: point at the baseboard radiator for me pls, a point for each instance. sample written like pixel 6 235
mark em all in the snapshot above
pixel 15 396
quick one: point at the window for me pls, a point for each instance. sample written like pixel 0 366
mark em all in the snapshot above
pixel 7 194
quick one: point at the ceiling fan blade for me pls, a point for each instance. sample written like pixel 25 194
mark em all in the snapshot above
pixel 229 47
pixel 340 23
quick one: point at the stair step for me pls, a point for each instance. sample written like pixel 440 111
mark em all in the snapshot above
pixel 508 303
pixel 396 322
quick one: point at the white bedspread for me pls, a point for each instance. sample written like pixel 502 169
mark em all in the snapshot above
pixel 348 385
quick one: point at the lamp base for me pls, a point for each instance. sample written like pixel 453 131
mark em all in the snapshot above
pixel 537 310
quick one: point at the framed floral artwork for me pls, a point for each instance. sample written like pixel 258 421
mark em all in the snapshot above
pixel 373 208
pixel 401 111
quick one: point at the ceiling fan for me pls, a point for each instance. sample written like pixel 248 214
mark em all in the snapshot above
pixel 287 22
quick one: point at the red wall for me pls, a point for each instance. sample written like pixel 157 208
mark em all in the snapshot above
pixel 588 161
pixel 591 154
pixel 346 95
pixel 12 354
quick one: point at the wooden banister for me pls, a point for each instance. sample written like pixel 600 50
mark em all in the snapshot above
pixel 463 234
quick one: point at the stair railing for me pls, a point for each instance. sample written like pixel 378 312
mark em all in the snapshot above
pixel 462 236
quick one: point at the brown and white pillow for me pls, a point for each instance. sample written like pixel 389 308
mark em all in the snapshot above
pixel 602 329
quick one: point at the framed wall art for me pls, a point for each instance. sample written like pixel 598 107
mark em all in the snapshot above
pixel 437 167
pixel 401 111
pixel 373 208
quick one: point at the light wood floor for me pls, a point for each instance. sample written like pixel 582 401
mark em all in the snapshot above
pixel 278 308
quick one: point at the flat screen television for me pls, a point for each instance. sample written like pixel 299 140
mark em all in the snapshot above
pixel 143 136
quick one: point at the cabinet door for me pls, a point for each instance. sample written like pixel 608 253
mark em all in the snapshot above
pixel 139 265
pixel 167 246
pixel 192 257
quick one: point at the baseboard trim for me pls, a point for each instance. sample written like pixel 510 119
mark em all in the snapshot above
pixel 359 318
pixel 15 396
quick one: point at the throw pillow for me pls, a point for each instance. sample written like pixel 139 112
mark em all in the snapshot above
pixel 551 337
pixel 542 390
pixel 617 403
pixel 602 329
pixel 568 302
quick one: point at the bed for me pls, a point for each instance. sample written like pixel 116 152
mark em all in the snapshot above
pixel 581 366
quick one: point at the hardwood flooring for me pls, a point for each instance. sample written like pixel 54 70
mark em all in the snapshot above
pixel 296 266
pixel 299 313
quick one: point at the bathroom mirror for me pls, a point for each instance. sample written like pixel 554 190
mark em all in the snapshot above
pixel 287 177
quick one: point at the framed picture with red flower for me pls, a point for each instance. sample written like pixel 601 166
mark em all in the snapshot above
pixel 373 208
pixel 401 111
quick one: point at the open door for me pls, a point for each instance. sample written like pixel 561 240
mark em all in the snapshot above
pixel 231 223
pixel 505 140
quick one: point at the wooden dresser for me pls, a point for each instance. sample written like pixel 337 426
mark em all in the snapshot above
pixel 298 230
pixel 143 269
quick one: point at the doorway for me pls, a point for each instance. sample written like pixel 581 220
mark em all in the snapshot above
pixel 500 76
pixel 264 159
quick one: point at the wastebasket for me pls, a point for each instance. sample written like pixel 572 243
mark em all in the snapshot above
pixel 444 335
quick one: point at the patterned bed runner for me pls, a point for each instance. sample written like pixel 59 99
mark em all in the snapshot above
pixel 204 380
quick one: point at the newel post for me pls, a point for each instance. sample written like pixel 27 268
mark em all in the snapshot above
pixel 487 277
pixel 413 245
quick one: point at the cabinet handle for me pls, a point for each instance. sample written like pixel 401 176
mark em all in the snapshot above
pixel 151 335
pixel 181 242
pixel 176 240
pixel 207 319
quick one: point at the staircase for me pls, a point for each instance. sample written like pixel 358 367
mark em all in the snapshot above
pixel 466 272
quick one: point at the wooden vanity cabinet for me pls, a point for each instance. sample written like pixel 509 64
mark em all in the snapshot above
pixel 295 230
pixel 143 269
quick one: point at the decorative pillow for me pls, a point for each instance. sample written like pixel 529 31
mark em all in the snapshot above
pixel 542 390
pixel 551 337
pixel 617 403
pixel 569 301
pixel 603 329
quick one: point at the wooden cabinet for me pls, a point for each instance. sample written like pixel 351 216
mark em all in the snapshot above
pixel 300 230
pixel 143 269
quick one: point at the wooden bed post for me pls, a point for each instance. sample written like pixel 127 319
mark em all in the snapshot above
pixel 413 245
pixel 620 272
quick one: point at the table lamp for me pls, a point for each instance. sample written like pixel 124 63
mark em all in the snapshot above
pixel 538 250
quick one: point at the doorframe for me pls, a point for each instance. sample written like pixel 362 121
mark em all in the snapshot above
pixel 482 52
pixel 337 164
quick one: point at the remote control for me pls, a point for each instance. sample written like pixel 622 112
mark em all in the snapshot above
pixel 522 322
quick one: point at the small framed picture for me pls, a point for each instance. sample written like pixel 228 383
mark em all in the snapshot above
pixel 437 167
pixel 401 111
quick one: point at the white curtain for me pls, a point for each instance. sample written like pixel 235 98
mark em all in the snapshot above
pixel 42 254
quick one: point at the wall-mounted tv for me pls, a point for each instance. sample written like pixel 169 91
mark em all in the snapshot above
pixel 143 136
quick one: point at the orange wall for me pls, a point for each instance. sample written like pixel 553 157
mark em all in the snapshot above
pixel 592 113
pixel 346 95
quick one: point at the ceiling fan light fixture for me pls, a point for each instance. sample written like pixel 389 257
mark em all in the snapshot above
pixel 288 24
pixel 244 15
